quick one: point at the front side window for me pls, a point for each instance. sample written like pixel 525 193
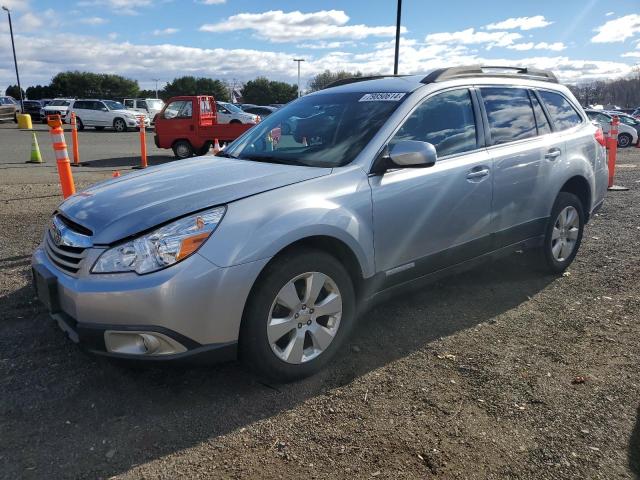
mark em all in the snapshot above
pixel 445 120
pixel 179 109
pixel 111 105
pixel 563 115
pixel 509 113
pixel 142 104
pixel 128 103
pixel 318 130
pixel 98 106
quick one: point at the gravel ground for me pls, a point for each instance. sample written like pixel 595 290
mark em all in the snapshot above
pixel 502 372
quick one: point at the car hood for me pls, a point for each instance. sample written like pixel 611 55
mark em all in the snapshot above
pixel 122 207
pixel 134 113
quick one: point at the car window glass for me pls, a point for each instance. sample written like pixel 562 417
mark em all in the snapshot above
pixel 179 109
pixel 79 105
pixel 541 119
pixel 509 113
pixel 445 120
pixel 563 115
pixel 128 103
pixel 142 104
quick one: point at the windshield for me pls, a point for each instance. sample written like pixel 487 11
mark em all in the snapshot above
pixel 628 120
pixel 111 105
pixel 320 130
pixel 155 104
pixel 231 107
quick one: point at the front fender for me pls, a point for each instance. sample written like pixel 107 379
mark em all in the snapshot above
pixel 258 227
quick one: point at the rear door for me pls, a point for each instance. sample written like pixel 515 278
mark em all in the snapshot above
pixel 525 153
pixel 426 219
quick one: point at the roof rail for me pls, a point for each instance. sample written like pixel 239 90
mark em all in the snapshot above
pixel 347 81
pixel 443 74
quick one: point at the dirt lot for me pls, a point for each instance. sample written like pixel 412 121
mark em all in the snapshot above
pixel 502 372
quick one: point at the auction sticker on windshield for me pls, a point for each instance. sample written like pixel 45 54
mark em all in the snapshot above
pixel 381 97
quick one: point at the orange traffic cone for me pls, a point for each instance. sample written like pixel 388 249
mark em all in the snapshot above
pixel 216 146
pixel 116 174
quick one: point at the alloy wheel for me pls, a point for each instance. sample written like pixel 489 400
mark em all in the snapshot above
pixel 565 233
pixel 304 317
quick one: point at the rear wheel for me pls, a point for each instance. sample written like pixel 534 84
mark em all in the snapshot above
pixel 119 125
pixel 564 232
pixel 624 140
pixel 299 314
pixel 182 149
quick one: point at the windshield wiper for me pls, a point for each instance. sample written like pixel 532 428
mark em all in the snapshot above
pixel 272 159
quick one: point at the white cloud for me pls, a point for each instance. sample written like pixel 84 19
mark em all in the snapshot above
pixel 555 47
pixel 279 26
pixel 522 23
pixel 326 45
pixel 112 36
pixel 608 14
pixel 29 22
pixel 166 31
pixel 16 4
pixel 618 30
pixel 212 2
pixel 93 20
pixel 470 36
pixel 631 54
pixel 120 7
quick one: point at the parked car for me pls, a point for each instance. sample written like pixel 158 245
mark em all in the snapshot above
pixel 229 113
pixel 8 109
pixel 628 120
pixel 149 106
pixel 57 106
pixel 33 108
pixel 190 124
pixel 102 114
pixel 260 110
pixel 627 135
pixel 270 250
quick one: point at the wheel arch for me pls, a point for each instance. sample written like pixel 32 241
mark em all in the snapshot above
pixel 579 186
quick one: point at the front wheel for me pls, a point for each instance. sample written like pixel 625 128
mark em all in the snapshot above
pixel 79 124
pixel 624 140
pixel 119 125
pixel 182 149
pixel 299 313
pixel 235 122
pixel 564 232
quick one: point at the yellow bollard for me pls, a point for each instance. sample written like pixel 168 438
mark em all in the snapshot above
pixel 24 121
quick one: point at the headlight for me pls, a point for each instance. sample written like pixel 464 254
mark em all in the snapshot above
pixel 163 247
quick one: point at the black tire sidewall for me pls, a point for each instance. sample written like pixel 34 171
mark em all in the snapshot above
pixel 255 350
pixel 628 137
pixel 115 122
pixel 182 142
pixel 563 200
pixel 79 124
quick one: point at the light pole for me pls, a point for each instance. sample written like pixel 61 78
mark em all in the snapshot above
pixel 156 80
pixel 299 60
pixel 15 61
pixel 398 17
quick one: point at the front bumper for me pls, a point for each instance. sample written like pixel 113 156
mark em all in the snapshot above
pixel 194 304
pixel 131 122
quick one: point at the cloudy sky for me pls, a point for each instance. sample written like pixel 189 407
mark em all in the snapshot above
pixel 241 39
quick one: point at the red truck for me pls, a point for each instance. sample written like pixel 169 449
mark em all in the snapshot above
pixel 188 125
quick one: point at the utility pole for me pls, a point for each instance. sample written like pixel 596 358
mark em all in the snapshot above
pixel 299 60
pixel 398 17
pixel 156 80
pixel 15 61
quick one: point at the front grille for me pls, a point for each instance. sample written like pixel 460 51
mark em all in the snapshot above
pixel 64 256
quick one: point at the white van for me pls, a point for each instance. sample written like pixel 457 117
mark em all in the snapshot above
pixel 150 106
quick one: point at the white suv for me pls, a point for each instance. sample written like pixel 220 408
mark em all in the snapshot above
pixel 104 113
pixel 149 106
pixel 229 113
pixel 57 106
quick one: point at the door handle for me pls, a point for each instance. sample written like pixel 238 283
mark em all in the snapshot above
pixel 552 154
pixel 473 174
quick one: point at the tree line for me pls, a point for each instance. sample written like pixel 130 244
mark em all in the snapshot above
pixel 622 92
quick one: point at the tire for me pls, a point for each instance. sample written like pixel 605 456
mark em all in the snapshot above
pixel 99 128
pixel 119 125
pixel 564 231
pixel 272 353
pixel 182 149
pixel 79 124
pixel 624 140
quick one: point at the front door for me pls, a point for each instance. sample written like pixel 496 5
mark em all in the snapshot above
pixel 179 119
pixel 426 219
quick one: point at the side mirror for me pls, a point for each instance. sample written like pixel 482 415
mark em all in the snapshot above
pixel 406 154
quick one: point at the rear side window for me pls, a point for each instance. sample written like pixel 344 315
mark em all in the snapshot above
pixel 563 115
pixel 80 105
pixel 509 113
pixel 541 118
pixel 128 103
pixel 445 120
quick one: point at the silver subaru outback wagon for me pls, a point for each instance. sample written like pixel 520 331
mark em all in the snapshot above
pixel 267 251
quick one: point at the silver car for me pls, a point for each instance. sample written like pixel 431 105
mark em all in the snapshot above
pixel 269 250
